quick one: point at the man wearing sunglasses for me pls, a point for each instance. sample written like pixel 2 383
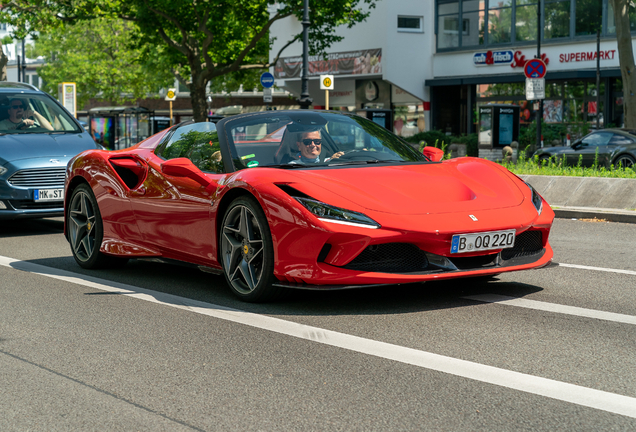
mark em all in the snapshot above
pixel 19 117
pixel 309 146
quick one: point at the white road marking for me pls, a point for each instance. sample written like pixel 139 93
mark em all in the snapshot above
pixel 582 267
pixel 553 307
pixel 584 396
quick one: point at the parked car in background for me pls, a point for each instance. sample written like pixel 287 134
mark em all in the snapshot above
pixel 37 139
pixel 615 147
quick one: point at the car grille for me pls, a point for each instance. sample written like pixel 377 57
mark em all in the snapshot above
pixel 527 243
pixel 39 178
pixel 390 258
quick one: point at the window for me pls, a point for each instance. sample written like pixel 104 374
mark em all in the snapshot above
pixel 589 15
pixel 410 24
pixel 198 142
pixel 557 19
pixel 526 20
pixel 448 24
pixel 499 21
pixel 35 80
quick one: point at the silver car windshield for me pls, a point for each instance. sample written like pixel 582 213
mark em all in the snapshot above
pixel 33 113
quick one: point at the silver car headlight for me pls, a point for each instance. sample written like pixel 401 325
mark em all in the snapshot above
pixel 536 198
pixel 328 213
pixel 2 170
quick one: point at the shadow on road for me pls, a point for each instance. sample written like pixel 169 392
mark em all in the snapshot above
pixel 31 227
pixel 189 283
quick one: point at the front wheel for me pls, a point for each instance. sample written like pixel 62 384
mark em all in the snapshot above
pixel 86 230
pixel 247 253
pixel 625 161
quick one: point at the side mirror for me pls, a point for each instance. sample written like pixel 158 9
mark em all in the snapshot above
pixel 183 167
pixel 433 153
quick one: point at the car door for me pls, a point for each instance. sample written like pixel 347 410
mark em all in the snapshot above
pixel 587 148
pixel 173 206
pixel 620 144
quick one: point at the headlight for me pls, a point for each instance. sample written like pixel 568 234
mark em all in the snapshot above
pixel 328 213
pixel 2 170
pixel 536 199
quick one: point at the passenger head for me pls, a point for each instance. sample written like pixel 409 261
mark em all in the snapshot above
pixel 309 144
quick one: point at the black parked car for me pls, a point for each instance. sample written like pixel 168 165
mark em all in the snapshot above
pixel 614 146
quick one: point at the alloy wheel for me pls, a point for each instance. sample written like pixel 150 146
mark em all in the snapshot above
pixel 81 228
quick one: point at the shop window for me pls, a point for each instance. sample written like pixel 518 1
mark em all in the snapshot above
pixel 410 24
pixel 499 21
pixel 589 15
pixel 526 20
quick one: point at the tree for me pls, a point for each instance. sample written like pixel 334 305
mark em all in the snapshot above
pixel 100 57
pixel 626 59
pixel 202 40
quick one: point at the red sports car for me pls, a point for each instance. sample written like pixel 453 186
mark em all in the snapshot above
pixel 303 199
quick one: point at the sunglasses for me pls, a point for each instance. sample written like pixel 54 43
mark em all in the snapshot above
pixel 309 141
pixel 17 106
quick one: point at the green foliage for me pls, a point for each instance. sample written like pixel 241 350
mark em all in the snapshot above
pixel 556 166
pixel 198 41
pixel 439 139
pixel 100 57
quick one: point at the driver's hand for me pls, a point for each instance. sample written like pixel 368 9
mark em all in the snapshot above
pixel 28 122
pixel 337 155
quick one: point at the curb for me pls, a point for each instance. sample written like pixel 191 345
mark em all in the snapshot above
pixel 610 215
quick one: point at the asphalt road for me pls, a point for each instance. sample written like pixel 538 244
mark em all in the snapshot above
pixel 153 347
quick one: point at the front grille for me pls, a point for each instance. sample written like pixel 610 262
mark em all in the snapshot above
pixel 39 178
pixel 390 258
pixel 33 205
pixel 526 244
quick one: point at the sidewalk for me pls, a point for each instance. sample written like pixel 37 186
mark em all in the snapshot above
pixel 610 199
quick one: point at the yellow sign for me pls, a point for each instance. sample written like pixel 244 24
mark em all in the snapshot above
pixel 326 82
pixel 171 95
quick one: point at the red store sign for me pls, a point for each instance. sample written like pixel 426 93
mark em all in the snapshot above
pixel 586 56
pixel 520 60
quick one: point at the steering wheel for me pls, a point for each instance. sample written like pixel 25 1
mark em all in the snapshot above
pixel 358 154
pixel 21 125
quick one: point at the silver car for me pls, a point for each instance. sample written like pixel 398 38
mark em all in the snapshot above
pixel 37 139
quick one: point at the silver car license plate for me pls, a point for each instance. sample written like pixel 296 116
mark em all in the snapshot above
pixel 476 242
pixel 48 195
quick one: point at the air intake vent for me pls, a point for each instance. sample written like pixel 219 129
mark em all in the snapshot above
pixel 526 244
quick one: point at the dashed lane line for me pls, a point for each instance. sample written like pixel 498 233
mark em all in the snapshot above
pixel 584 396
pixel 609 270
pixel 553 307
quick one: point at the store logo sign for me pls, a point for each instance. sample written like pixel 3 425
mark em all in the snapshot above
pixel 492 58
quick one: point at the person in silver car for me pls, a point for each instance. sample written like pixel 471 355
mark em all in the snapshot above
pixel 20 118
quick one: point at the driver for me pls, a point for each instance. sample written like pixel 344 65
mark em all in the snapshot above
pixel 19 118
pixel 309 147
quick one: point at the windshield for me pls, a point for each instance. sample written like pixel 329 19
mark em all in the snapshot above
pixel 33 113
pixel 299 139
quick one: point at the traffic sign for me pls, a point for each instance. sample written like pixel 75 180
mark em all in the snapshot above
pixel 171 95
pixel 267 95
pixel 535 68
pixel 326 82
pixel 535 88
pixel 267 80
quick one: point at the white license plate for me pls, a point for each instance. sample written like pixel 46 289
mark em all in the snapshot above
pixel 48 195
pixel 476 242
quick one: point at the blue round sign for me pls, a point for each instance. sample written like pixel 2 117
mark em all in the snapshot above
pixel 535 68
pixel 267 80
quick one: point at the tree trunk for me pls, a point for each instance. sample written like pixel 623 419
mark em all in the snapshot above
pixel 198 96
pixel 3 65
pixel 626 60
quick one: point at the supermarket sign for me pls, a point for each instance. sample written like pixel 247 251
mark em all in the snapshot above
pixel 490 58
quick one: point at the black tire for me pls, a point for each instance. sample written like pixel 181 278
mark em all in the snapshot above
pixel 625 161
pixel 86 231
pixel 247 253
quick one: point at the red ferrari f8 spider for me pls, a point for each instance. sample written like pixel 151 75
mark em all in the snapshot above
pixel 304 199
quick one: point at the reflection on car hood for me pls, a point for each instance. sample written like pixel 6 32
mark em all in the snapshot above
pixel 468 185
pixel 24 146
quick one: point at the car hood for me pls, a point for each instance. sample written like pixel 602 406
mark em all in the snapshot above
pixel 460 184
pixel 37 145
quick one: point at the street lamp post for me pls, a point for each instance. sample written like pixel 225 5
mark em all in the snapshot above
pixel 305 101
